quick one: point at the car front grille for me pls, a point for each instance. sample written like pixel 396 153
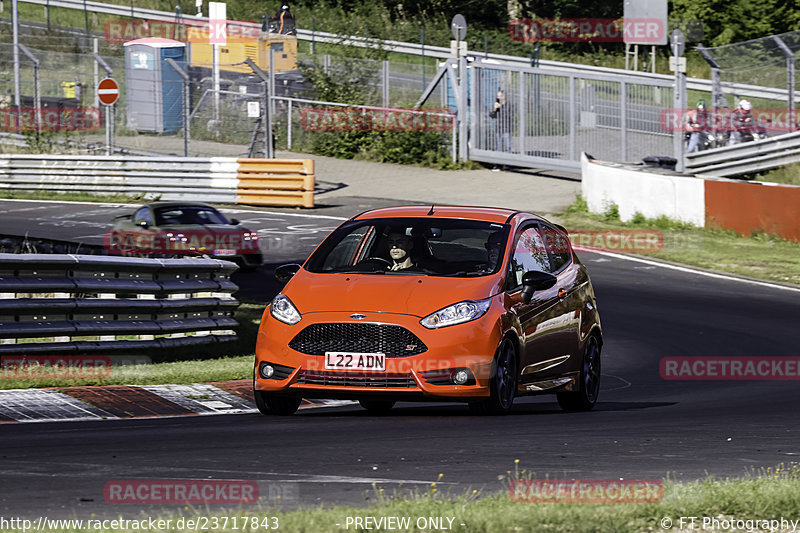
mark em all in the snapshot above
pixel 388 339
pixel 349 379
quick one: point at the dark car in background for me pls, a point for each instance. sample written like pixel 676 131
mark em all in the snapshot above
pixel 169 229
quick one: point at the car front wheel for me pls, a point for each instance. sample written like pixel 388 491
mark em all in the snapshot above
pixel 273 404
pixel 585 398
pixel 503 385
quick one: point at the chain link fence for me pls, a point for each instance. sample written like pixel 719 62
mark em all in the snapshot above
pixel 66 81
pixel 766 62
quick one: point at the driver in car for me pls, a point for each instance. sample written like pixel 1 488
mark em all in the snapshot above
pixel 493 246
pixel 400 246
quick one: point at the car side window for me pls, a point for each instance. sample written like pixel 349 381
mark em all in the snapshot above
pixel 529 254
pixel 558 245
pixel 143 214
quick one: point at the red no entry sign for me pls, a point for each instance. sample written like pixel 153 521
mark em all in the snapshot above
pixel 107 91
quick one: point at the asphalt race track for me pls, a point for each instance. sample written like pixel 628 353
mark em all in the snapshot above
pixel 644 427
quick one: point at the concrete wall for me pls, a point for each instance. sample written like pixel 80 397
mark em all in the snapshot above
pixel 747 206
pixel 743 206
pixel 649 193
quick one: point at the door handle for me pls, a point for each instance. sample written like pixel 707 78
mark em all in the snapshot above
pixel 562 292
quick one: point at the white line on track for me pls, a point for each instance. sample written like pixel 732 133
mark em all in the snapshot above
pixel 226 209
pixel 691 270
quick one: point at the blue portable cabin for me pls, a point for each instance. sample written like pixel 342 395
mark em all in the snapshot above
pixel 154 90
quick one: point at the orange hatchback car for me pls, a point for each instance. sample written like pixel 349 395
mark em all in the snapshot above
pixel 476 305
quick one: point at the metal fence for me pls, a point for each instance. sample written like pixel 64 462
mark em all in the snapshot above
pixel 560 114
pixel 66 85
pixel 768 62
pixel 554 116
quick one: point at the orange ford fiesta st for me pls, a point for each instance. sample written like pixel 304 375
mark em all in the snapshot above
pixel 475 305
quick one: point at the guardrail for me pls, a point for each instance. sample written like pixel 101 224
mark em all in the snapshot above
pixel 53 304
pixel 698 84
pixel 746 158
pixel 215 179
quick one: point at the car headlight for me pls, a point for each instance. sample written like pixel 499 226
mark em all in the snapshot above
pixel 284 310
pixel 456 314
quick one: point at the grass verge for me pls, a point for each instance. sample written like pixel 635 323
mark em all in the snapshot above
pixel 761 255
pixel 747 504
pixel 790 175
pixel 177 366
pixel 74 196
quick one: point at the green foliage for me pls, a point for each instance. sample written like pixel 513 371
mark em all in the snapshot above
pixel 726 22
pixel 789 174
pixel 346 83
pixel 578 206
pixel 39 143
pixel 612 213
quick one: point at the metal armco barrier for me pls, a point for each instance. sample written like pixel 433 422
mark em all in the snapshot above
pixel 214 179
pixel 276 182
pixel 746 158
pixel 54 304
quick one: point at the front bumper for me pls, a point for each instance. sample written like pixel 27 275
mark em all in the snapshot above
pixel 468 346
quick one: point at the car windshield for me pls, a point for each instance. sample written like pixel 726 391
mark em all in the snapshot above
pixel 427 246
pixel 188 214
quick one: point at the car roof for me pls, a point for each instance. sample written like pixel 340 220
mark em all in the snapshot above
pixel 487 214
pixel 178 204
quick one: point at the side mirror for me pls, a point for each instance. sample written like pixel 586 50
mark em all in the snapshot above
pixel 141 223
pixel 285 272
pixel 533 281
pixel 234 221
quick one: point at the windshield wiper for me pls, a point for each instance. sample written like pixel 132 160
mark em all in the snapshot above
pixel 464 274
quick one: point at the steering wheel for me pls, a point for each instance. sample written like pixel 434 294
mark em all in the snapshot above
pixel 380 260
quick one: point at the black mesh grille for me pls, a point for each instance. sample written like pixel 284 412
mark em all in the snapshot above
pixel 394 341
pixel 342 379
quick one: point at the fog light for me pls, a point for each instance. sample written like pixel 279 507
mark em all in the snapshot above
pixel 460 377
pixel 266 370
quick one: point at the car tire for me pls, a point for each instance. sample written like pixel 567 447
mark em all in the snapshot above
pixel 250 262
pixel 503 384
pixel 377 407
pixel 274 404
pixel 585 398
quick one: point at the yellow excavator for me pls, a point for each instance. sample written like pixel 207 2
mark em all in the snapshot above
pixel 277 33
